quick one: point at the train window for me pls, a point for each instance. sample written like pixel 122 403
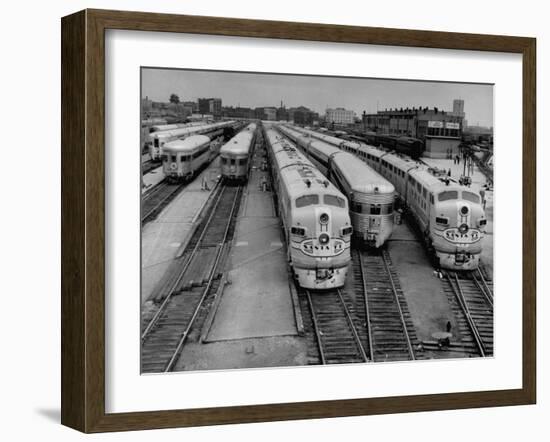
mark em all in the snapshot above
pixel 333 200
pixel 424 193
pixel 242 161
pixel 164 157
pixel 390 167
pixel 447 195
pixel 307 200
pixel 418 187
pixel 356 207
pixel 232 162
pixel 469 196
pixel 387 209
pixel 174 158
pixel 224 160
pixel 375 209
pixel 431 198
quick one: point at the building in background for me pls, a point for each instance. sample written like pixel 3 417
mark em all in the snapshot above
pixel 440 131
pixel 340 116
pixel 270 113
pixel 238 112
pixel 302 115
pixel 458 108
pixel 146 105
pixel 282 113
pixel 211 106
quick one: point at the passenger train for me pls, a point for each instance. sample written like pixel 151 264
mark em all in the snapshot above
pixel 410 146
pixel 159 139
pixel 235 154
pixel 315 217
pixel 450 216
pixel 371 196
pixel 182 159
pixel 148 139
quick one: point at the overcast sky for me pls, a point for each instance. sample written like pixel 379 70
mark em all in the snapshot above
pixel 317 93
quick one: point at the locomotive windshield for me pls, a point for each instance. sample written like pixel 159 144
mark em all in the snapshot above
pixel 333 200
pixel 448 195
pixel 469 196
pixel 307 200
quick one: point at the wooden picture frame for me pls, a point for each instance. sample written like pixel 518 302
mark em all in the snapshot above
pixel 83 220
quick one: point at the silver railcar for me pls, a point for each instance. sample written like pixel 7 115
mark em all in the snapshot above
pixel 235 154
pixel 371 196
pixel 315 217
pixel 182 159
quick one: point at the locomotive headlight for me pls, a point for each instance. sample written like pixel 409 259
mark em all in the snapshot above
pixel 464 210
pixel 324 239
pixel 463 228
pixel 323 219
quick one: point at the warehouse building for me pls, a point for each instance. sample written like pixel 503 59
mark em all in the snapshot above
pixel 440 131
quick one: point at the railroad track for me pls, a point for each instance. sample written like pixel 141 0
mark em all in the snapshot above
pixel 185 300
pixel 148 166
pixel 390 334
pixel 366 321
pixel 336 335
pixel 157 199
pixel 471 297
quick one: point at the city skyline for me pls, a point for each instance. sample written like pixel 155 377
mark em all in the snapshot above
pixel 317 92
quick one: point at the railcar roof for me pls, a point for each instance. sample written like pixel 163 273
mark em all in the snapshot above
pixel 360 176
pixel 179 132
pixel 192 129
pixel 188 144
pixel 296 170
pixel 239 144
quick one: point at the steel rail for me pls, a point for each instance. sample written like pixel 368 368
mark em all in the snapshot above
pixel 367 308
pixel 183 338
pixel 484 283
pixel 352 327
pixel 164 186
pixel 463 304
pixel 401 315
pixel 483 290
pixel 159 312
pixel 316 328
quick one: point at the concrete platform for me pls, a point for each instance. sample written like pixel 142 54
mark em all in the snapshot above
pixel 428 305
pixel 257 302
pixel 280 351
pixel 161 238
pixel 151 179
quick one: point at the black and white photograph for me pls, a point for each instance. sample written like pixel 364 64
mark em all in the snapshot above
pixel 297 220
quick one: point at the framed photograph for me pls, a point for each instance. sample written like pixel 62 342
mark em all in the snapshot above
pixel 269 221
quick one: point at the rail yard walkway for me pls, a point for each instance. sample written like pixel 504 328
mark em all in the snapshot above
pixel 253 323
pixel 163 238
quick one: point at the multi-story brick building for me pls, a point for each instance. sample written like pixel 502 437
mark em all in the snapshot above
pixel 441 131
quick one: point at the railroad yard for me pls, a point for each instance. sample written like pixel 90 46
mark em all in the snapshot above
pixel 218 290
